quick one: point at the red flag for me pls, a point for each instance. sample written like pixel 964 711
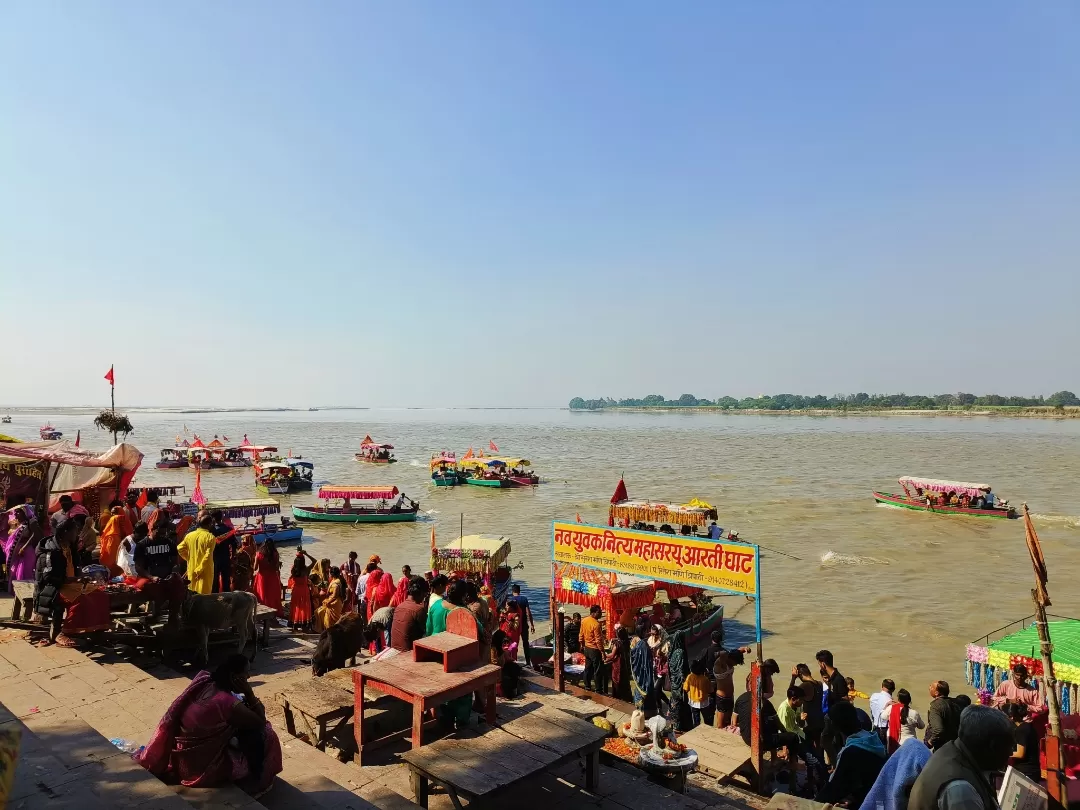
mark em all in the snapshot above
pixel 578 516
pixel 143 500
pixel 223 436
pixel 493 447
pixel 110 377
pixel 620 492
pixel 78 437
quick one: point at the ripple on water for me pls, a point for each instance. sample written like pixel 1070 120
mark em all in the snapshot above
pixel 835 558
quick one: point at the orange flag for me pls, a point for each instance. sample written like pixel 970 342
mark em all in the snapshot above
pixel 578 516
pixel 433 539
pixel 467 455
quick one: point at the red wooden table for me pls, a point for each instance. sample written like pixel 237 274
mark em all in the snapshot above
pixel 424 684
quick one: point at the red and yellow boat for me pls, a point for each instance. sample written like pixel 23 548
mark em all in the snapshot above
pixel 371 452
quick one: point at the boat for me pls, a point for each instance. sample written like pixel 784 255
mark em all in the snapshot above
pixel 6 420
pixel 272 477
pixel 172 458
pixel 260 530
pixel 934 495
pixel 228 457
pixel 480 555
pixel 486 472
pixel 371 452
pixel 388 505
pixel 516 472
pixel 444 469
pixel 198 458
pixel 48 433
pixel 302 473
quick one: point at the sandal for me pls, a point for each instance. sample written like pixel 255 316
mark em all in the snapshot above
pixel 44 643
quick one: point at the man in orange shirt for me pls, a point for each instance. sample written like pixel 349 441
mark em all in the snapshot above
pixel 592 645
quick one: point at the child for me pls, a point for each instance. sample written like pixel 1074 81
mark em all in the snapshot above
pixel 502 657
pixel 699 693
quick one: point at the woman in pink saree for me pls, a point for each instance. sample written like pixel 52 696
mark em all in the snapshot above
pixel 216 732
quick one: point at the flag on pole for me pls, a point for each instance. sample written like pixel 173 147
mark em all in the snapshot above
pixel 1037 560
pixel 110 377
pixel 78 437
pixel 224 437
pixel 467 455
pixel 433 539
pixel 143 499
pixel 493 447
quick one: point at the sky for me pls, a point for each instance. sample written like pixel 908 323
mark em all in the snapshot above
pixel 487 203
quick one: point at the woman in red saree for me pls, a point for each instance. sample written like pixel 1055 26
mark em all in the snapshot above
pixel 401 593
pixel 301 610
pixel 268 577
pixel 380 590
pixel 193 743
pixel 510 624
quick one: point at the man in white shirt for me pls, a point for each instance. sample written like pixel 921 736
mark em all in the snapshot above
pixel 879 701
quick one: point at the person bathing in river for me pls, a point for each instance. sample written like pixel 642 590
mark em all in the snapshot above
pixel 723 670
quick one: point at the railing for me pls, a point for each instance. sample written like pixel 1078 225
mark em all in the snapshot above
pixel 1024 622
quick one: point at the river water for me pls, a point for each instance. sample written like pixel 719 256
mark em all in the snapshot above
pixel 892 593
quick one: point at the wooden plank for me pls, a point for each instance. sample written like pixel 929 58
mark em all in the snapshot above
pixel 720 753
pixel 449 771
pixel 583 709
pixel 508 750
pixel 546 735
pixel 459 751
pixel 588 732
pixel 443 642
pixel 319 699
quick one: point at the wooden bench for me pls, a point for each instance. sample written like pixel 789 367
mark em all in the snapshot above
pixel 721 754
pixel 265 615
pixel 479 766
pixel 23 607
pixel 319 703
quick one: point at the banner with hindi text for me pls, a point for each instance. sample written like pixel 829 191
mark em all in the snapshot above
pixel 709 564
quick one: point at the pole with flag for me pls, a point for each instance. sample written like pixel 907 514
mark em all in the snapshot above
pixel 111 377
pixel 493 447
pixel 1055 771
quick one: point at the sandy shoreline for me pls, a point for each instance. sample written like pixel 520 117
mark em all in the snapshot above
pixel 1017 412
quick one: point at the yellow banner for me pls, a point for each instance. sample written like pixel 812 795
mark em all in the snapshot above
pixel 723 565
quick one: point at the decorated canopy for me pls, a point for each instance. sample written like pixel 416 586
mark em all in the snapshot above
pixel 474 553
pixel 216 443
pixel 938 485
pixel 442 459
pixel 272 465
pixel 370 444
pixel 989 664
pixel 78 469
pixel 258 448
pixel 295 462
pixel 673 514
pixel 476 463
pixel 255 507
pixel 359 493
pixel 197 443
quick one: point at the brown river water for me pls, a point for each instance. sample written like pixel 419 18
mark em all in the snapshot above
pixel 892 593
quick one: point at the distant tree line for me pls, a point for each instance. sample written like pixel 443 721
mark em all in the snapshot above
pixel 797 402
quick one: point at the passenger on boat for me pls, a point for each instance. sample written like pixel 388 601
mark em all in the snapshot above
pixel 715 531
pixel 988 500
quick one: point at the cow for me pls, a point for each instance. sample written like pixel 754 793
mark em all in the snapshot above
pixel 342 641
pixel 202 613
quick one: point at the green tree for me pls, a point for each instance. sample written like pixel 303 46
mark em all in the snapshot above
pixel 688 400
pixel 577 404
pixel 1062 399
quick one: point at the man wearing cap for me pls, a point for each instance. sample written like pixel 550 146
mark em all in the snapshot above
pixel 1018 690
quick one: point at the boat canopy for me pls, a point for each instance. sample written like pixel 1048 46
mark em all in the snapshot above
pixel 512 462
pixel 939 485
pixel 79 469
pixel 474 553
pixel 258 448
pixel 370 443
pixel 197 443
pixel 216 443
pixel 442 459
pixel 474 463
pixel 670 513
pixel 272 465
pixel 628 592
pixel 295 462
pixel 255 507
pixel 359 493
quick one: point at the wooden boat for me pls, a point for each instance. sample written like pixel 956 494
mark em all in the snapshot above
pixel 444 470
pixel 934 495
pixel 302 474
pixel 48 433
pixel 272 477
pixel 228 457
pixel 260 509
pixel 198 458
pixel 172 458
pixel 388 505
pixel 517 473
pixel 372 452
pixel 6 420
pixel 486 472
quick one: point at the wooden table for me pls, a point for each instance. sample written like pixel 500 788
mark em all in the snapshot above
pixel 319 702
pixel 482 765
pixel 449 649
pixel 266 615
pixel 424 685
pixel 720 753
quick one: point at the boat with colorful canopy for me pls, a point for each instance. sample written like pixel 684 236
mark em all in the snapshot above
pixel 172 458
pixel 273 477
pixel 228 457
pixel 947 498
pixel 381 505
pixel 651 515
pixel 486 472
pixel 303 473
pixel 48 433
pixel 444 469
pixel 481 556
pixel 371 452
pixel 260 509
pixel 516 471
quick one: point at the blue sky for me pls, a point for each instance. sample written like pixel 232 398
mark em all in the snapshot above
pixel 490 203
